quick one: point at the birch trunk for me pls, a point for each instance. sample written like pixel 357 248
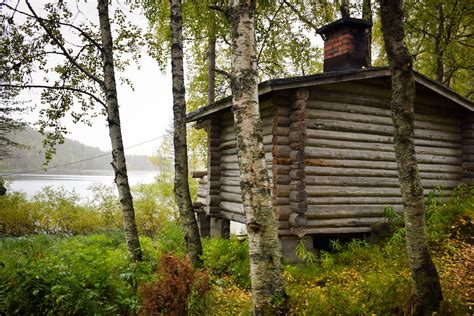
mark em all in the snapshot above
pixel 426 287
pixel 264 248
pixel 113 119
pixel 211 71
pixel 181 184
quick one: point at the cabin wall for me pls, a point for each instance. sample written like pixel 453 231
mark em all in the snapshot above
pixel 350 166
pixel 468 148
pixel 230 199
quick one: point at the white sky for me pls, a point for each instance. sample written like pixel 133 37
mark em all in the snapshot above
pixel 145 113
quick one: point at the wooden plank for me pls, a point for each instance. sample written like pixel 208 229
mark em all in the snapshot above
pixel 230 197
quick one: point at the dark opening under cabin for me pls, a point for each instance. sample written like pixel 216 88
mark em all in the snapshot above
pixel 329 146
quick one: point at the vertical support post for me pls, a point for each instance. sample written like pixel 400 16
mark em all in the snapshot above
pixel 297 219
pixel 204 223
pixel 220 227
pixel 468 149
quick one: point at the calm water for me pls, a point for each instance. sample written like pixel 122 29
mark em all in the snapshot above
pixel 32 183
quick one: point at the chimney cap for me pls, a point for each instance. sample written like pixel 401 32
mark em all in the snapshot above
pixel 344 22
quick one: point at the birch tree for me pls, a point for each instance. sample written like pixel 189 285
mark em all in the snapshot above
pixel 181 185
pixel 81 76
pixel 426 286
pixel 265 254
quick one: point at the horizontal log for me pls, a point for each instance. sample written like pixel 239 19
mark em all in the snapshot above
pixel 364 172
pixel 282 201
pixel 228 144
pixel 281 140
pixel 229 152
pixel 380 109
pixel 228 137
pixel 229 166
pixel 237 208
pixel 235 217
pixel 230 173
pixel 297 220
pixel 337 144
pixel 282 212
pixel 317 114
pixel 334 125
pixel 282 190
pixel 381 200
pixel 231 188
pixel 343 222
pixel 230 181
pixel 279 130
pixel 230 158
pixel 352 154
pixel 370 138
pixel 280 151
pixel 347 191
pixel 373 181
pixel 230 197
pixel 281 120
pixel 379 165
pixel 347 211
pixel 199 173
pixel 327 230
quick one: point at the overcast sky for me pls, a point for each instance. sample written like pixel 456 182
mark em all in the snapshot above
pixel 145 113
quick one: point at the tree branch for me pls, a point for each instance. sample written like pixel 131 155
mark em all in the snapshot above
pixel 61 46
pixel 301 16
pixel 7 85
pixel 272 19
pixel 84 34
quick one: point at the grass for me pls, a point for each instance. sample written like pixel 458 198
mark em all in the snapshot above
pixel 91 274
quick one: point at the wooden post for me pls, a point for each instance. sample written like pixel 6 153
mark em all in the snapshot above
pixel 220 227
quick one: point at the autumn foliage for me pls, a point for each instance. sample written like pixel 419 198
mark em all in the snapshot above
pixel 176 286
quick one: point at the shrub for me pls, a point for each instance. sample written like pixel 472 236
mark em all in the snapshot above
pixel 228 257
pixel 177 287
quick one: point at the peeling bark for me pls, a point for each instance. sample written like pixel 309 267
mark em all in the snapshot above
pixel 264 248
pixel 181 184
pixel 115 132
pixel 426 287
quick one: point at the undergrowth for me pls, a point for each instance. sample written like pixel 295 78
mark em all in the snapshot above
pixel 76 274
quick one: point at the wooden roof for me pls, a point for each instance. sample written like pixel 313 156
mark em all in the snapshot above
pixel 331 77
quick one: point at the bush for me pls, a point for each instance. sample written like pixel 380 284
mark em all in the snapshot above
pixel 228 257
pixel 178 290
pixel 75 275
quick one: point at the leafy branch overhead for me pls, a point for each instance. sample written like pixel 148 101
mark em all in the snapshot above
pixel 57 50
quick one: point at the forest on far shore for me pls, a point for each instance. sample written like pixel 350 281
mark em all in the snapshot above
pixel 32 156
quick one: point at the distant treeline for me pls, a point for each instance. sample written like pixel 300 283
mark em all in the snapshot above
pixel 32 157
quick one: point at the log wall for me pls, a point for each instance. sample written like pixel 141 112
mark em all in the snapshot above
pixel 468 149
pixel 214 169
pixel 350 166
pixel 230 198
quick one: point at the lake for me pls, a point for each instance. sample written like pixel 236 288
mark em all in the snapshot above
pixel 79 181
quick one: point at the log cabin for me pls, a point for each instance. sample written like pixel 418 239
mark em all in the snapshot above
pixel 329 146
